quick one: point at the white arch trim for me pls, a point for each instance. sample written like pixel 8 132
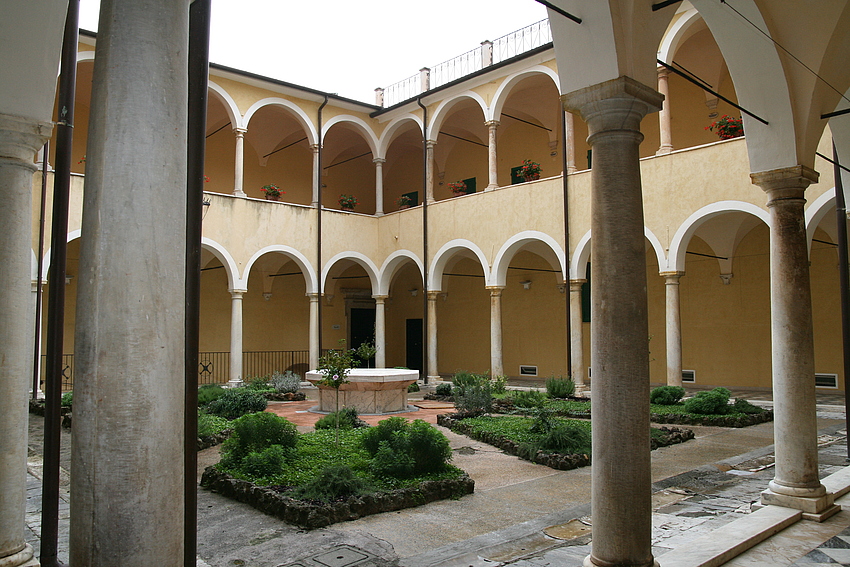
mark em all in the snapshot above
pixel 498 275
pixel 389 132
pixel 360 125
pixel 444 254
pixel 393 262
pixel 443 110
pixel 815 213
pixel 229 105
pixel 300 115
pixel 226 260
pixel 367 264
pixel 679 244
pixel 677 34
pixel 85 56
pixel 578 266
pixel 504 90
pixel 299 258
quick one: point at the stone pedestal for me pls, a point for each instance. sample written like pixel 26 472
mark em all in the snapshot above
pixel 370 390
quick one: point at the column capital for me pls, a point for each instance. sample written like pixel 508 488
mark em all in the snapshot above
pixel 492 123
pixel 671 277
pixel 433 294
pixel 379 161
pixel 430 144
pixel 21 138
pixel 314 148
pixel 240 132
pixel 380 298
pixel 313 296
pixel 495 290
pixel 785 182
pixel 617 104
pixel 663 72
pixel 575 285
pixel 237 293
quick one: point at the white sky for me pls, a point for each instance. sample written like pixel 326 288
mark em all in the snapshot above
pixel 350 47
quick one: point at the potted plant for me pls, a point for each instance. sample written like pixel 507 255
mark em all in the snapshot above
pixel 458 188
pixel 530 170
pixel 727 127
pixel 272 192
pixel 404 202
pixel 347 202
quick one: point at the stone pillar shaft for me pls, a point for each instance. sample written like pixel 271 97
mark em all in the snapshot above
pixel 492 160
pixel 432 335
pixel 673 328
pixel 664 124
pixel 20 138
pixel 314 330
pixel 621 488
pixel 577 336
pixel 379 187
pixel 236 327
pixel 127 465
pixel 317 177
pixel 380 331
pixel 429 170
pixel 795 426
pixel 496 361
pixel 570 145
pixel 239 166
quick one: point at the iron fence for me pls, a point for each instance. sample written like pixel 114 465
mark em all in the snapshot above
pixel 522 40
pixel 67 372
pixel 262 363
pixel 213 367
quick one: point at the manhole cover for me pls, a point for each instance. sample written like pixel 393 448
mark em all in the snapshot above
pixel 571 530
pixel 342 556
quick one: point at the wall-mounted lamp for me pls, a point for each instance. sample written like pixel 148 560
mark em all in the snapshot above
pixel 413 292
pixel 562 288
pixel 267 296
pixel 526 284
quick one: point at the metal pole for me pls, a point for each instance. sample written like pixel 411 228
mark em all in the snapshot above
pixel 566 239
pixel 843 276
pixel 56 296
pixel 199 41
pixel 320 285
pixel 425 369
pixel 36 356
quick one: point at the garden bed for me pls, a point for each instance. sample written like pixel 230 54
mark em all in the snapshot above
pixel 272 500
pixel 663 437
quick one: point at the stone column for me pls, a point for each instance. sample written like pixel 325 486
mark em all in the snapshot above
pixel 492 162
pixel 621 486
pixel 664 114
pixel 317 175
pixel 314 330
pixel 380 331
pixel 236 377
pixel 127 466
pixel 796 483
pixel 674 328
pixel 429 170
pixel 37 340
pixel 434 374
pixel 239 168
pixel 379 187
pixel 570 144
pixel 577 336
pixel 496 364
pixel 20 138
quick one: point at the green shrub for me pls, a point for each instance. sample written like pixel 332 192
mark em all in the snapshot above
pixel 382 432
pixel 666 395
pixel 264 464
pixel 413 387
pixel 743 406
pixel 347 419
pixel 209 425
pixel 393 458
pixel 464 380
pixel 713 402
pixel 286 383
pixel 67 399
pixel 475 400
pixel 544 421
pixel 258 383
pixel 236 402
pixel 500 384
pixel 333 482
pixel 528 399
pixel 208 393
pixel 444 389
pixel 568 439
pixel 254 433
pixel 428 447
pixel 560 387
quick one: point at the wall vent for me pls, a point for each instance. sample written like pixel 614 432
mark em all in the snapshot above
pixel 689 376
pixel 527 370
pixel 826 381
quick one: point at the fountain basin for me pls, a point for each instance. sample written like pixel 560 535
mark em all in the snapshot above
pixel 371 391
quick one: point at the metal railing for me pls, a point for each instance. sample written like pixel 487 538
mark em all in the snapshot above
pixel 213 367
pixel 262 363
pixel 510 45
pixel 67 372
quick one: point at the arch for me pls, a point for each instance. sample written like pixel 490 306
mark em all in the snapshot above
pixel 660 254
pixel 504 90
pixel 229 104
pixel 390 131
pixel 226 260
pixel 581 256
pixel 85 56
pixel 680 241
pixel 392 264
pixel 296 256
pixel 73 235
pixel 359 125
pixel 678 33
pixel 358 258
pixel 816 212
pixel 296 110
pixel 443 111
pixel 445 253
pixel 514 244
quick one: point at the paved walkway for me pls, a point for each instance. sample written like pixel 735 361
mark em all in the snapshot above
pixel 521 514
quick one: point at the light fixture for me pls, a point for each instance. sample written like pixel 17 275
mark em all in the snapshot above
pixel 267 296
pixel 413 292
pixel 526 284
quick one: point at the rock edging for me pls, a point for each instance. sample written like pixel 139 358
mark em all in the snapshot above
pixel 311 515
pixel 736 420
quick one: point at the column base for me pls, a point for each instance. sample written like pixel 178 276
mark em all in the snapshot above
pixel 234 383
pixel 240 194
pixel 491 187
pixel 23 558
pixel 816 509
pixel 582 390
pixel 434 379
pixel 588 562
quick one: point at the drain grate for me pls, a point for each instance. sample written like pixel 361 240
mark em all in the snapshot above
pixel 340 556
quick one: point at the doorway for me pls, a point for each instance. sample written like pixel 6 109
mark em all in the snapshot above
pixel 413 340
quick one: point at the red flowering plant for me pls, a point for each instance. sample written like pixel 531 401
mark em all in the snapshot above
pixel 272 190
pixel 348 201
pixel 727 127
pixel 530 169
pixel 458 188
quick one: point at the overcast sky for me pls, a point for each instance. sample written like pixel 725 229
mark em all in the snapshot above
pixel 350 47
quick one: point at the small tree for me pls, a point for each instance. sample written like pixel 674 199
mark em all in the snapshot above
pixel 335 366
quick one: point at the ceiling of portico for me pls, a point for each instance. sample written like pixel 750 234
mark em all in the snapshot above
pixel 343 142
pixel 273 127
pixel 723 233
pixel 534 99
